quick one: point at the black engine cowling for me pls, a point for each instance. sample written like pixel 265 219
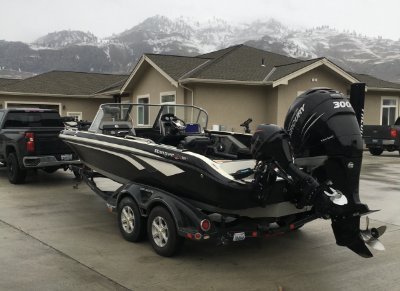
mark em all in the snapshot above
pixel 320 123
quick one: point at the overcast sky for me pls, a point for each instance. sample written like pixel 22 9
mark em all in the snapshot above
pixel 26 20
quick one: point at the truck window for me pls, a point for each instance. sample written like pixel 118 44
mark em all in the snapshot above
pixel 33 119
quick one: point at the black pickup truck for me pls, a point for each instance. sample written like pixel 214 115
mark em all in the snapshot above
pixel 379 138
pixel 29 140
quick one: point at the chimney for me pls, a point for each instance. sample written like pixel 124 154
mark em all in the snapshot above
pixel 262 62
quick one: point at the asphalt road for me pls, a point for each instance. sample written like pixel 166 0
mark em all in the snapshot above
pixel 55 237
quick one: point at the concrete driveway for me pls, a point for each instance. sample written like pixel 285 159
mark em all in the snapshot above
pixel 55 237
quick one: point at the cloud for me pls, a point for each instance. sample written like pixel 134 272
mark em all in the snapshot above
pixel 27 20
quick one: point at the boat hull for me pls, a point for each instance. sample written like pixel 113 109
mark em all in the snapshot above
pixel 183 173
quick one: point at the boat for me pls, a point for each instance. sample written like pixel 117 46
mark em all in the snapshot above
pixel 288 176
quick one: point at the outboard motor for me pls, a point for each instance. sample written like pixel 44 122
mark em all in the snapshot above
pixel 322 123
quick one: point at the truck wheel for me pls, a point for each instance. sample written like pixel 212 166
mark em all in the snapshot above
pixel 161 230
pixel 131 224
pixel 375 151
pixel 16 175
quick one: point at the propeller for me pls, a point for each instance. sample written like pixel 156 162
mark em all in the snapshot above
pixel 370 236
pixel 336 196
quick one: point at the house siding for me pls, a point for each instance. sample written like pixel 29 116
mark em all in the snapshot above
pixel 288 93
pixel 230 105
pixel 152 83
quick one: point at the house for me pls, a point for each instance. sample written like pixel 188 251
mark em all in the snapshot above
pixel 381 100
pixel 239 82
pixel 71 93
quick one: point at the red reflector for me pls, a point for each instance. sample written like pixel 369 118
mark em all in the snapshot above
pixel 197 236
pixel 292 227
pixel 205 225
pixel 254 234
pixel 189 235
pixel 393 132
pixel 30 142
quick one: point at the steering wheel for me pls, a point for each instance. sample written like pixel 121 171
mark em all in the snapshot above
pixel 178 123
pixel 175 122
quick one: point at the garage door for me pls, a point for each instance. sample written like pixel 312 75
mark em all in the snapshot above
pixel 33 105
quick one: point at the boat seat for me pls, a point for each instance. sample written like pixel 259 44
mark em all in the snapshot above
pixel 196 143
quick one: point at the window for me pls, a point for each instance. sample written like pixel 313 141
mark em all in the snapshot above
pixel 168 98
pixel 76 115
pixel 143 115
pixel 388 110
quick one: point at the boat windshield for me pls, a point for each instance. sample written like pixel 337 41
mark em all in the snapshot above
pixel 147 115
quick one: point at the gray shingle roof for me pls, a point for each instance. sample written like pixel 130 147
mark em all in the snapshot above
pixel 6 81
pixel 284 70
pixel 176 66
pixel 241 63
pixel 64 83
pixel 374 82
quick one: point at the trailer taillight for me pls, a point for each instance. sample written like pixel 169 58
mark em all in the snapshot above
pixel 393 132
pixel 205 225
pixel 30 142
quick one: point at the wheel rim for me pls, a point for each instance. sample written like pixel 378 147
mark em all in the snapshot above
pixel 127 219
pixel 159 231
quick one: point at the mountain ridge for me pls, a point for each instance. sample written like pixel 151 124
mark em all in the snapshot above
pixel 83 51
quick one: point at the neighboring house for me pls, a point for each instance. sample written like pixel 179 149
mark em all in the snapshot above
pixel 382 100
pixel 71 93
pixel 239 82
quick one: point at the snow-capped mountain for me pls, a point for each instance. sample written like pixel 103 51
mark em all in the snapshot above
pixel 80 51
pixel 61 39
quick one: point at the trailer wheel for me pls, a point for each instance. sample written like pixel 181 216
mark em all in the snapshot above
pixel 162 233
pixel 16 175
pixel 131 224
pixel 375 151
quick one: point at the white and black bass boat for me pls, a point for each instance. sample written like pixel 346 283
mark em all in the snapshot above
pixel 181 180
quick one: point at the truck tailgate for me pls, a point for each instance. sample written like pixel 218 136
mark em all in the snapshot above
pixel 377 131
pixel 47 142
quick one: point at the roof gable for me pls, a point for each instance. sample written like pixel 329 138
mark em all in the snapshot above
pixel 176 66
pixel 241 63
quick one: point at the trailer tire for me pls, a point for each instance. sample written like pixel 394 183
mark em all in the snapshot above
pixel 131 224
pixel 375 151
pixel 162 232
pixel 15 174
